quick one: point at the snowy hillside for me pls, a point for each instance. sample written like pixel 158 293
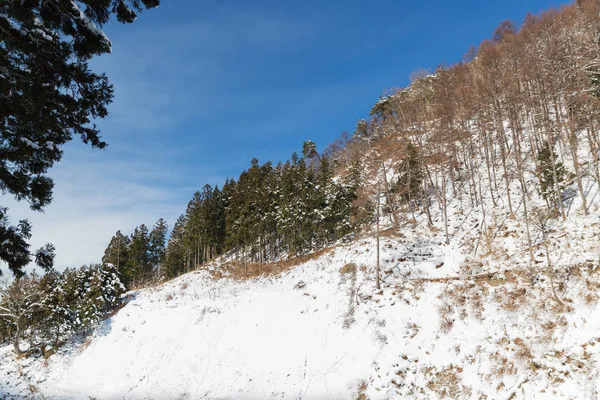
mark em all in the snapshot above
pixel 484 178
pixel 472 195
pixel 321 331
pixel 477 318
pixel 312 333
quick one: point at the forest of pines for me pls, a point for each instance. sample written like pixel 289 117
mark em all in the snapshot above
pixel 270 212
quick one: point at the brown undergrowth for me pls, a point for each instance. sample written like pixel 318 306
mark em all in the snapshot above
pixel 520 296
pixel 240 270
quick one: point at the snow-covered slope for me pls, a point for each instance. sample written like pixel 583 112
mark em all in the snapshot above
pixel 321 330
pixel 471 320
pixel 311 333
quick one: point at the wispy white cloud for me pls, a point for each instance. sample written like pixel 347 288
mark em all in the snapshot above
pixel 168 73
pixel 92 201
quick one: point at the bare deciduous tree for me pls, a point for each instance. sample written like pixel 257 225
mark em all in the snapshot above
pixel 18 302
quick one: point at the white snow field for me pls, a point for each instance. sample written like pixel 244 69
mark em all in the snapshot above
pixel 321 331
pixel 199 338
pixel 311 333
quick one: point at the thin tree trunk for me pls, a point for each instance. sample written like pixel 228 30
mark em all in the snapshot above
pixel 486 152
pixel 377 285
pixel 595 150
pixel 550 137
pixel 551 273
pixel 17 345
pixel 503 155
pixel 388 199
pixel 573 147
pixel 520 170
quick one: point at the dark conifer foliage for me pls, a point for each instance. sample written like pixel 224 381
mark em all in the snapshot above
pixel 270 212
pixel 117 254
pixel 175 253
pixel 158 243
pixel 48 94
pixel 551 174
pixel 139 258
pixel 14 248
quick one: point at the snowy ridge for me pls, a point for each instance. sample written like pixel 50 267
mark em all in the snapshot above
pixel 294 336
pixel 321 331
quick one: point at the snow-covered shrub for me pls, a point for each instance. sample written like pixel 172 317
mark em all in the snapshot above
pixel 62 304
pixel 99 289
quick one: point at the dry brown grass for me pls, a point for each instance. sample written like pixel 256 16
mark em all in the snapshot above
pixel 591 298
pixel 511 299
pixel 412 330
pixel 362 388
pixel 447 382
pixel 239 270
pixel 466 296
pixel 87 342
pixel 488 241
pixel 348 269
pixel 446 311
pixel 33 390
pixel 523 352
pixel 446 325
pixel 391 232
pixel 48 353
pixel 503 365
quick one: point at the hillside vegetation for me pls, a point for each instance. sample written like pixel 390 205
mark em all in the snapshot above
pixel 515 122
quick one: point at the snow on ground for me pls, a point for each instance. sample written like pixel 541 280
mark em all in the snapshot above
pixel 321 331
pixel 312 333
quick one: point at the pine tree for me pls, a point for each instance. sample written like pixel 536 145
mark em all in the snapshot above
pixel 139 254
pixel 219 207
pixel 361 207
pixel 362 129
pixel 309 150
pixel 174 264
pixel 548 165
pixel 383 107
pixel 97 289
pixel 48 94
pixel 291 205
pixel 158 243
pixel 292 208
pixel 51 308
pixel 117 254
pixel 56 311
pixel 14 246
pixel 208 213
pixel 594 83
pixel 70 296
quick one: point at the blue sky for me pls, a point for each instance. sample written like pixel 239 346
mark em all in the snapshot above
pixel 201 87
